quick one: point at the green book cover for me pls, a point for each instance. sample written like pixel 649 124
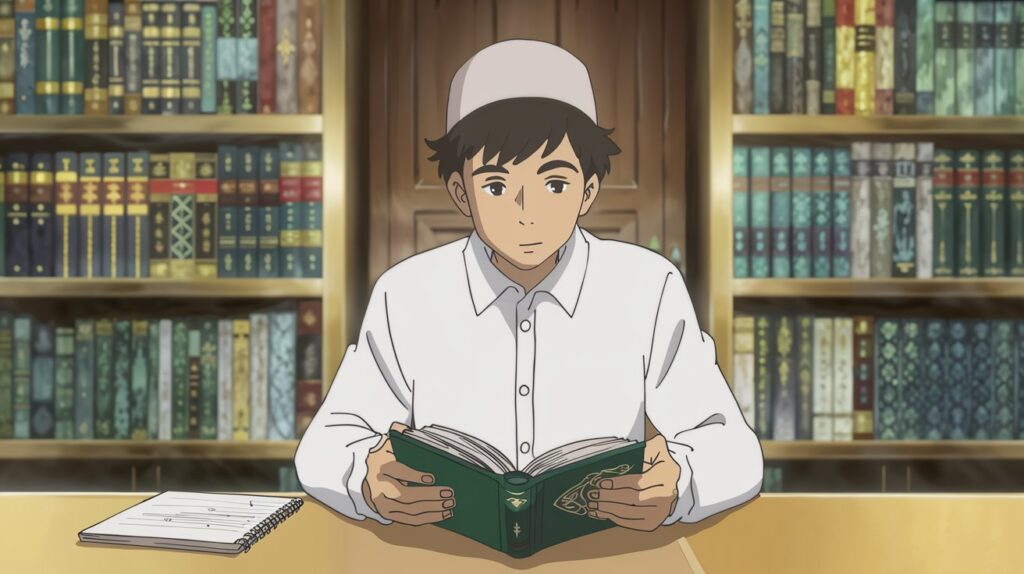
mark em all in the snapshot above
pixel 981 386
pixel 153 382
pixel 925 57
pixel 882 170
pixel 887 380
pixel 904 211
pixel 1004 423
pixel 967 219
pixel 208 378
pixel 42 417
pixel 72 61
pixel 64 381
pixel 1004 64
pixel 965 58
pixel 247 52
pixel 208 55
pixel 821 213
pixel 194 380
pixel 958 397
pixel 140 380
pixel 801 215
pixel 519 512
pixel 48 52
pixel 911 405
pixel 1016 212
pixel 841 207
pixel 1018 91
pixel 22 375
pixel 764 361
pixel 935 370
pixel 984 58
pixel 760 212
pixel 945 58
pixel 943 216
pixel 6 376
pixel 313 209
pixel 248 212
pixel 269 213
pixel 85 378
pixel 781 212
pixel 741 211
pixel 293 212
pixel 993 213
pixel 227 59
pixel 122 378
pixel 179 379
pixel 828 51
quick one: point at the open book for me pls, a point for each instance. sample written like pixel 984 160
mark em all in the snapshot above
pixel 517 512
pixel 221 523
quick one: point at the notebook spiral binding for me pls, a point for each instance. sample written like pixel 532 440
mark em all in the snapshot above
pixel 269 523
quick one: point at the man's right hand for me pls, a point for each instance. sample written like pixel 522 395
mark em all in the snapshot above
pixel 387 491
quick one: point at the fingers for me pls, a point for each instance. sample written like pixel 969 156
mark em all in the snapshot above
pixel 397 426
pixel 419 519
pixel 620 510
pixel 624 481
pixel 399 471
pixel 387 506
pixel 631 523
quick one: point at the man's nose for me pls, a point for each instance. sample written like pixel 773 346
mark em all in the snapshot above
pixel 521 202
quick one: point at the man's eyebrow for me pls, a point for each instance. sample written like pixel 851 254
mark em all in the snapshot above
pixel 556 163
pixel 490 169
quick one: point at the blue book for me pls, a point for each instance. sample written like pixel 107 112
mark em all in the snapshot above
pixel 90 217
pixel 293 213
pixel 800 218
pixel 227 211
pixel 981 383
pixel 85 380
pixel 762 71
pixel 16 237
pixel 137 215
pixel 760 212
pixel 22 380
pixel 248 216
pixel 781 212
pixel 1004 416
pixel 269 213
pixel 41 228
pixel 911 401
pixel 42 415
pixel 113 262
pixel 741 211
pixel 312 198
pixel 24 58
pixel 281 423
pixel 821 213
pixel 888 388
pixel 66 210
pixel 958 397
pixel 935 378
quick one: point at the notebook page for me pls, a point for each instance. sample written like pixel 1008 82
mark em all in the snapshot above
pixel 221 518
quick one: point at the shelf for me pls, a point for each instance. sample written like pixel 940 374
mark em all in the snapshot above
pixel 898 450
pixel 1004 287
pixel 257 124
pixel 796 125
pixel 24 287
pixel 37 449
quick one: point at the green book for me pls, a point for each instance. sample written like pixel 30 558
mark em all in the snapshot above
pixel 42 404
pixel 293 212
pixel 1004 423
pixel 888 386
pixel 48 56
pixel 1018 92
pixel 967 217
pixel 958 397
pixel 741 211
pixel 760 212
pixel 801 215
pixel 841 206
pixel 828 52
pixel 965 58
pixel 984 58
pixel 179 379
pixel 912 395
pixel 6 376
pixel 993 214
pixel 881 209
pixel 925 57
pixel 85 378
pixel 22 379
pixel 821 213
pixel 208 378
pixel 122 378
pixel 1015 190
pixel 153 383
pixel 517 512
pixel 140 380
pixel 72 61
pixel 943 216
pixel 208 55
pixel 1004 64
pixel 781 212
pixel 764 362
pixel 904 211
pixel 64 381
pixel 247 52
pixel 945 58
pixel 104 378
pixel 981 385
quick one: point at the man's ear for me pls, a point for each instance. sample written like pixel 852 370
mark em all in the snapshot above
pixel 457 190
pixel 590 189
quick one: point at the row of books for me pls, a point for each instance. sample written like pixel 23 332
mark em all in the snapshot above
pixel 805 377
pixel 100 57
pixel 879 57
pixel 237 212
pixel 255 377
pixel 878 210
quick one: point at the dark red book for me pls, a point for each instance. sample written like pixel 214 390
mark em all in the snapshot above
pixel 309 372
pixel 268 51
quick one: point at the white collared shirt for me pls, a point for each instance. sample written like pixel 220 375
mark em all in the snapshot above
pixel 607 337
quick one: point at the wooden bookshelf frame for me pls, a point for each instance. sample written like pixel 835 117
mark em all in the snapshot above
pixel 250 124
pixel 48 287
pixel 45 449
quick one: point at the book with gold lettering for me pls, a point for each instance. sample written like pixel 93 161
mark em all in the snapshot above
pixel 864 61
pixel 240 380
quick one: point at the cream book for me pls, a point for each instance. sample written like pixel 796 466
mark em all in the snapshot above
pixel 208 522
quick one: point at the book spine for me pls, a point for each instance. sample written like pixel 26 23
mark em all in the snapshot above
pixel 958 396
pixel 888 388
pixel 115 37
pixel 165 381
pixel 823 418
pixel 115 245
pixel 945 58
pixel 41 415
pixel 776 64
pixel 519 523
pixel 310 50
pixel 864 61
pixel 208 71
pixel 308 352
pixel 842 379
pixel 41 225
pixel 225 368
pixel 925 157
pixel 312 199
pixel 967 218
pixel 258 376
pixel 47 38
pixel 800 219
pixel 764 361
pixel 813 59
pixel 905 58
pixel 138 230
pixel 7 57
pixel 139 395
pixel 104 392
pixel 1004 61
pixel 240 380
pixel 1018 351
pixel 912 397
pixel 1004 421
pixel 6 375
pixel 122 379
pixel 761 54
pixel 161 188
pixel 170 65
pixel 206 215
pixel 133 57
pixel 64 383
pixel 760 212
pixel 842 213
pixel 227 57
pixel 3 215
pixel 16 191
pixel 85 371
pixel 248 198
pixel 863 377
pixel 885 43
pixel 984 58
pixel 152 57
pixel 194 383
pixel 784 380
pixel 1015 191
pixel 191 57
pixel 292 208
pixel 943 215
pixel 22 379
pixel 179 379
pixel 804 377
pixel 935 370
pixel 227 211
pixel 183 215
pixel 965 58
pixel 795 56
pixel 66 211
pixel 153 383
pixel 881 209
pixel 25 48
pixel 96 58
pixel 269 213
pixel 208 379
pixel 993 214
pixel 982 383
pixel 740 211
pixel 266 36
pixel 904 211
pixel 924 55
pixel 828 52
pixel 743 366
pixel 846 57
pixel 781 212
pixel 860 210
pixel 1018 21
pixel 247 52
pixel 90 230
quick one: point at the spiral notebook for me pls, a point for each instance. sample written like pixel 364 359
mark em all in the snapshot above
pixel 221 523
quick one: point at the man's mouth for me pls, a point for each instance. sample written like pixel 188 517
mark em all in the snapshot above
pixel 530 244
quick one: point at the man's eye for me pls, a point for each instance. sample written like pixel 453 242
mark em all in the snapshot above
pixel 495 189
pixel 557 186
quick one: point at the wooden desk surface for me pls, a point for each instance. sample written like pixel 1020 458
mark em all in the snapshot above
pixel 788 534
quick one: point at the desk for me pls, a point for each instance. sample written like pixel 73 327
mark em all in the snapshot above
pixel 788 534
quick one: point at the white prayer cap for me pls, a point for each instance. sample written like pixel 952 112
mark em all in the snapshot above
pixel 520 69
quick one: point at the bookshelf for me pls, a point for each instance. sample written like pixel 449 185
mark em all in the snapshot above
pixel 1001 287
pixel 284 125
pixel 22 287
pixel 44 449
pixel 750 125
pixel 894 450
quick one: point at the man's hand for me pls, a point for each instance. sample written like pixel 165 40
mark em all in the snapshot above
pixel 387 492
pixel 640 501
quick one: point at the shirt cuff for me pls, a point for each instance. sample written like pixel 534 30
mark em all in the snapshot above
pixel 684 503
pixel 354 483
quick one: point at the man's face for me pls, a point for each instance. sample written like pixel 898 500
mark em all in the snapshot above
pixel 525 211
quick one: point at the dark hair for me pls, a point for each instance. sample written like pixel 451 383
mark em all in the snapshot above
pixel 515 128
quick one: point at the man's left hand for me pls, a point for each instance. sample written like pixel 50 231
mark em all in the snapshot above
pixel 640 501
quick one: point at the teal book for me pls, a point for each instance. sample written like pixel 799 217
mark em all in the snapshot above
pixel 984 58
pixel 904 57
pixel 966 206
pixel 47 38
pixel 208 55
pixel 1004 415
pixel 179 379
pixel 904 211
pixel 994 205
pixel 1005 77
pixel 227 57
pixel 64 384
pixel 139 392
pixel 762 70
pixel 247 52
pixel 194 381
pixel 882 170
pixel 72 58
pixel 924 54
pixel 945 58
pixel 828 51
pixel 981 385
pixel 22 379
pixel 248 211
pixel 760 212
pixel 85 377
pixel 1015 192
pixel 208 378
pixel 152 57
pixel 935 371
pixel 25 57
pixel 943 215
pixel 800 219
pixel 227 211
pixel 269 213
pixel 958 397
pixel 764 366
pixel 191 57
pixel 153 382
pixel 1018 91
pixel 821 213
pixel 3 203
pixel 6 375
pixel 741 211
pixel 781 212
pixel 784 382
pixel 804 348
pixel 281 422
pixel 1018 375
pixel 42 416
pixel 518 512
pixel 293 213
pixel 911 403
pixel 104 392
pixel 965 48
pixel 117 60
pixel 888 389
pixel 313 208
pixel 842 259
pixel 171 48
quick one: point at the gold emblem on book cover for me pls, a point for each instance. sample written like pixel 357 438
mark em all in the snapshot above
pixel 574 500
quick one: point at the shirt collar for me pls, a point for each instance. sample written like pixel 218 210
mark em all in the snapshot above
pixel 564 282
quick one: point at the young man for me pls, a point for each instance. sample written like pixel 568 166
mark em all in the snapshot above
pixel 531 333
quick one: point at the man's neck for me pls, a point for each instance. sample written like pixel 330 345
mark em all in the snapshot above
pixel 525 278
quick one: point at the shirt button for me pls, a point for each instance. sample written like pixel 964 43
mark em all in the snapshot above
pixel 525 325
pixel 524 448
pixel 524 390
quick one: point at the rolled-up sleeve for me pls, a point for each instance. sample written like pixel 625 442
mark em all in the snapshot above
pixel 368 393
pixel 690 403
